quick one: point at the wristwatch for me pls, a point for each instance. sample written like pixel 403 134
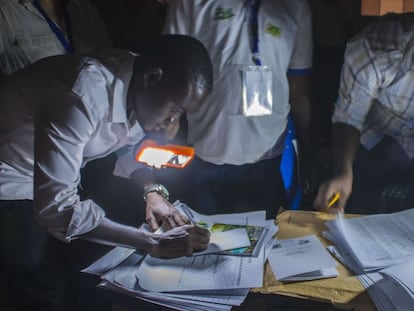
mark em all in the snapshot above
pixel 158 188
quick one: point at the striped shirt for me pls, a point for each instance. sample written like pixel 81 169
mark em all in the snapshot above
pixel 376 93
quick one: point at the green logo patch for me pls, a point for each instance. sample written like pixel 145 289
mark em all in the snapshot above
pixel 223 13
pixel 273 30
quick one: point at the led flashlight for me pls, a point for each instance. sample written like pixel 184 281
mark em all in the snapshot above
pixel 169 155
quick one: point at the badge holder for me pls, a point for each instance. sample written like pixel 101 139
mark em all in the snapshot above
pixel 257 91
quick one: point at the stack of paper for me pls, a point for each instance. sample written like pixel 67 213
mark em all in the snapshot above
pixel 202 282
pixel 392 288
pixel 380 250
pixel 376 241
pixel 301 259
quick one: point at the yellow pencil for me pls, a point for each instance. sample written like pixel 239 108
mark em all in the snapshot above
pixel 334 199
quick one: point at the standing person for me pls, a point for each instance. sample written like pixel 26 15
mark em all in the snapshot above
pixel 262 56
pixel 74 109
pixel 33 29
pixel 374 111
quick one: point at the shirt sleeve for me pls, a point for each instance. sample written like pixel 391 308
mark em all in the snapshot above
pixel 359 85
pixel 178 17
pixel 301 60
pixel 63 126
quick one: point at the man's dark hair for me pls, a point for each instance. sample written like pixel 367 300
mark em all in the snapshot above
pixel 183 59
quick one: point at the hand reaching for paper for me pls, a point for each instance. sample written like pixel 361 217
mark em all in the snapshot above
pixel 179 241
pixel 160 212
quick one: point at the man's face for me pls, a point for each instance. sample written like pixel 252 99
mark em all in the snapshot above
pixel 160 112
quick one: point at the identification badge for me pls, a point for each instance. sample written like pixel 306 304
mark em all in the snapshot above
pixel 257 95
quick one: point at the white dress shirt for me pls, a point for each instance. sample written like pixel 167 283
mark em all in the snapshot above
pixel 57 115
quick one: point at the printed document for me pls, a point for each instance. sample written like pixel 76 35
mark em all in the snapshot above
pixel 300 259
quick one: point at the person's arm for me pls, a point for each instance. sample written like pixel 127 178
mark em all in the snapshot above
pixel 159 211
pixel 180 241
pixel 345 142
pixel 362 77
pixel 61 134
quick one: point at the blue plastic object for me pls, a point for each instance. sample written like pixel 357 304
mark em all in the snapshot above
pixel 289 168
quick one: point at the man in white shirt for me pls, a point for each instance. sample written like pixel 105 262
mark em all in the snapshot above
pixel 64 111
pixel 258 48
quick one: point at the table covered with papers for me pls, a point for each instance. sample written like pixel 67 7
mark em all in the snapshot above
pixel 373 267
pixel 216 279
pixel 344 291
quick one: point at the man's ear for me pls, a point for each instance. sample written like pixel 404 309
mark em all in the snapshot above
pixel 152 76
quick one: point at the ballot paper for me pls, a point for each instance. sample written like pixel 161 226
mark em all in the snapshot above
pixel 375 241
pixel 301 259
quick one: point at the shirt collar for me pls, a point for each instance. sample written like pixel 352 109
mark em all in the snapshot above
pixel 119 112
pixel 123 77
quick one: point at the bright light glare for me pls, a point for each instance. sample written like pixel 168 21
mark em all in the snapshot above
pixel 156 157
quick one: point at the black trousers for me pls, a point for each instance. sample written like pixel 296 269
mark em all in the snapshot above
pixel 40 272
pixel 30 277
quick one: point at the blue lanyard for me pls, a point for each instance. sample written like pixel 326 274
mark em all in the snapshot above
pixel 254 11
pixel 67 44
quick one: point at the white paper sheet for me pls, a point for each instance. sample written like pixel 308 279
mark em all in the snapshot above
pixel 303 258
pixel 200 273
pixel 109 261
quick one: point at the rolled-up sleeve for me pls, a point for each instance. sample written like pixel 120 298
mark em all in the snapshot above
pixel 63 126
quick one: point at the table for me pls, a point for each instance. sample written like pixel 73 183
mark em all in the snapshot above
pixel 344 292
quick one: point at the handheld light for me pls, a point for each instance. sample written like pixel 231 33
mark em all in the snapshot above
pixel 169 155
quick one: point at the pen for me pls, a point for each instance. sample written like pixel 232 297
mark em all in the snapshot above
pixel 334 199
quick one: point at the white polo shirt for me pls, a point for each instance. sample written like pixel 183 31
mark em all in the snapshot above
pixel 57 115
pixel 220 133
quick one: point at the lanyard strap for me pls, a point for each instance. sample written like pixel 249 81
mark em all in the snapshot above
pixel 254 11
pixel 67 44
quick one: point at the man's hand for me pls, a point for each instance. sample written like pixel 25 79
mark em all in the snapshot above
pixel 341 184
pixel 160 212
pixel 179 241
